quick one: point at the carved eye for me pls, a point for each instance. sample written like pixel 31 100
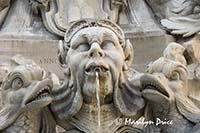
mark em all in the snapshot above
pixel 83 47
pixel 107 45
pixel 17 83
pixel 175 76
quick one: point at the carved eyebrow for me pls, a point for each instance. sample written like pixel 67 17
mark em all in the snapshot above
pixel 82 38
pixel 84 35
pixel 109 36
pixel 104 36
pixel 100 37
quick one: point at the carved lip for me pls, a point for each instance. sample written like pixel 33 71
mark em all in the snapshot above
pixel 43 93
pixel 40 94
pixel 152 83
pixel 96 67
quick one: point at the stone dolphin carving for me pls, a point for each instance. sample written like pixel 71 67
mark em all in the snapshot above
pixel 25 92
pixel 165 88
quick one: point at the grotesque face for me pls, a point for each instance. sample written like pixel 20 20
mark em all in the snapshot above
pixel 95 51
pixel 96 58
pixel 26 87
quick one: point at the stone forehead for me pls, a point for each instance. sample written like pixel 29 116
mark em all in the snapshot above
pixel 88 23
pixel 96 32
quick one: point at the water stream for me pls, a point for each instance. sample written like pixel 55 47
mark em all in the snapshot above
pixel 98 101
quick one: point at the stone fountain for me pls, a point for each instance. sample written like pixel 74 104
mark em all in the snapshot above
pixel 98 66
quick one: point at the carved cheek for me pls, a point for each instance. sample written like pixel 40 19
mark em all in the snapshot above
pixel 176 86
pixel 77 61
pixel 15 97
pixel 75 56
pixel 115 57
pixel 7 96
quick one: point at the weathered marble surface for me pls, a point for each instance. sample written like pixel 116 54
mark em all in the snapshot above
pixel 96 58
pixel 43 52
pixel 25 91
pixel 33 29
pixel 166 90
pixel 193 58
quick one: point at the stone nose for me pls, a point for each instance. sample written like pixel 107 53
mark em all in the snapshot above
pixel 95 50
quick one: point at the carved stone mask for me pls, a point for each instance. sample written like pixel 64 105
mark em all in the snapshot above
pixel 92 50
pixel 94 47
pixel 95 50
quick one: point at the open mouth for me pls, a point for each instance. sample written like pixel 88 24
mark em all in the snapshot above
pixel 156 89
pixel 42 95
pixel 96 69
pixel 93 67
pixel 152 85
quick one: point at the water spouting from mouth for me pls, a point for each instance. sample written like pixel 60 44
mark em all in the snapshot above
pixel 98 101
